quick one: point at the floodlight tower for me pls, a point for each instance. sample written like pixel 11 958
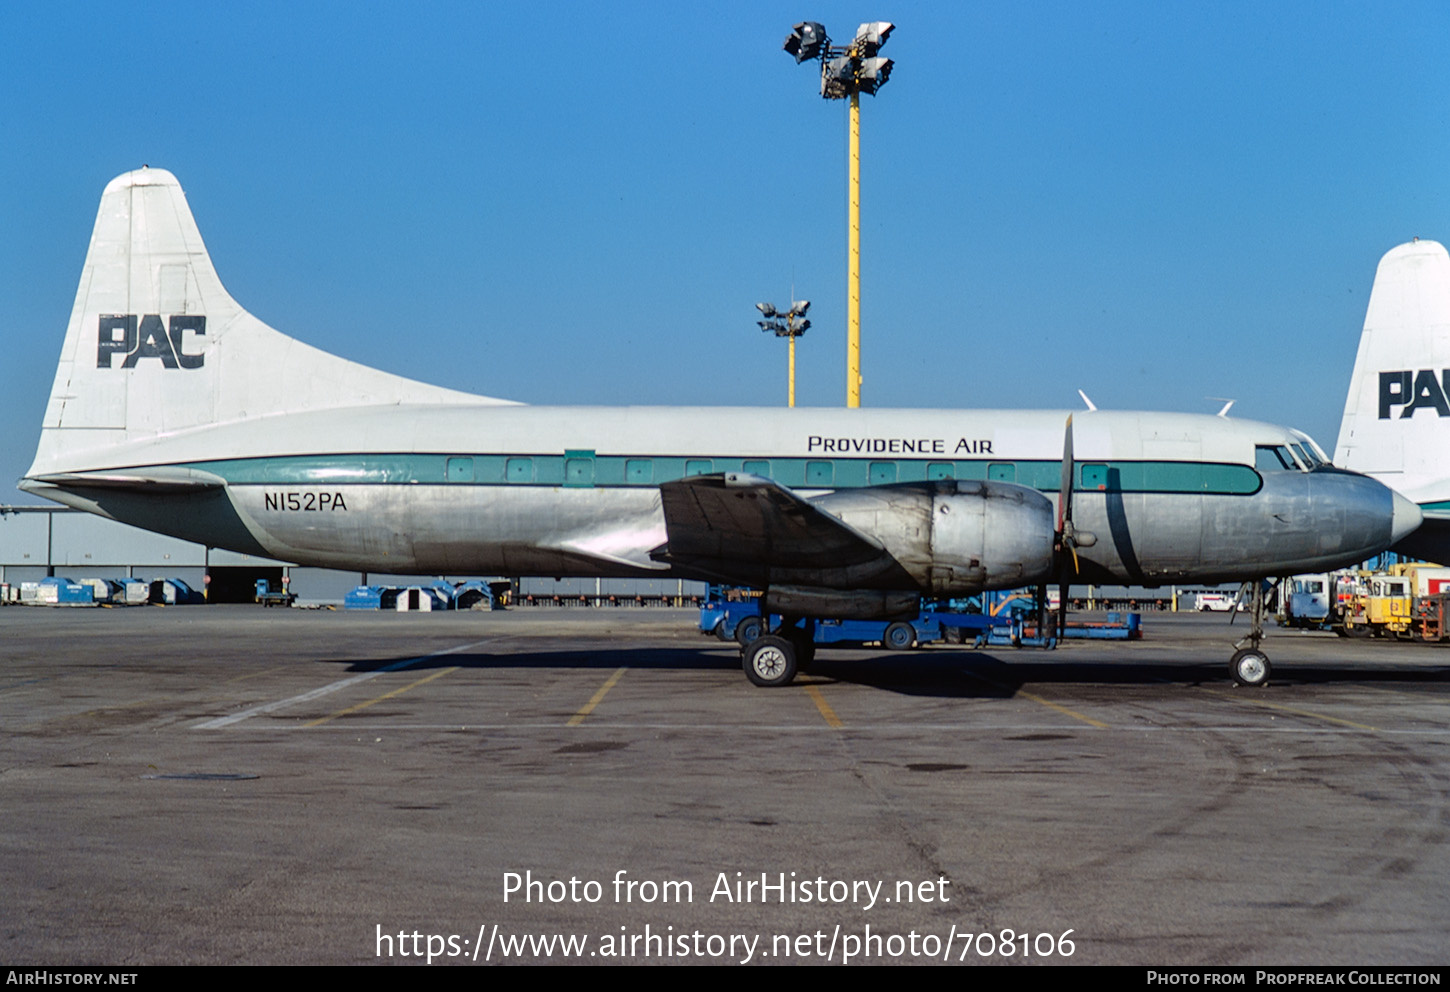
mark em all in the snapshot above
pixel 792 327
pixel 846 73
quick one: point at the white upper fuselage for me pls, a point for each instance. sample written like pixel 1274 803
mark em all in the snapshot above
pixel 738 432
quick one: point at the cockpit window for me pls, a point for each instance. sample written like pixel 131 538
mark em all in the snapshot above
pixel 1311 449
pixel 1305 458
pixel 1273 458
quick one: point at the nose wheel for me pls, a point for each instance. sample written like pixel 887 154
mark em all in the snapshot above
pixel 1250 666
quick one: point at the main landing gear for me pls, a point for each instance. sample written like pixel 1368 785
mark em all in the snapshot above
pixel 1249 665
pixel 773 659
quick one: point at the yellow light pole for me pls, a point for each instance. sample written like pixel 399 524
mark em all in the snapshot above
pixel 790 389
pixel 847 73
pixel 853 262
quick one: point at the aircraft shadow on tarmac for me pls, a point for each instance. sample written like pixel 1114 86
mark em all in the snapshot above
pixel 939 672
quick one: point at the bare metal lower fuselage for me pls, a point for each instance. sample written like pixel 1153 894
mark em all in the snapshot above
pixel 1297 522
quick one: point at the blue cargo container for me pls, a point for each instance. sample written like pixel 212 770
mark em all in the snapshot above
pixel 364 598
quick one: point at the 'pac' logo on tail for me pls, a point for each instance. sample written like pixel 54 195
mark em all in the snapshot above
pixel 121 334
pixel 1414 391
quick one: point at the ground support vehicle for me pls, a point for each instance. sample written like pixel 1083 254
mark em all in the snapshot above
pixel 1385 608
pixel 1306 603
pixel 1432 617
pixel 268 596
pixel 1113 627
pixel 740 621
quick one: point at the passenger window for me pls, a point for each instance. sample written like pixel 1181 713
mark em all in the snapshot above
pixel 757 467
pixel 460 470
pixel 882 473
pixel 579 471
pixel 820 473
pixel 639 471
pixel 519 470
pixel 699 466
pixel 1094 477
pixel 1002 471
pixel 941 470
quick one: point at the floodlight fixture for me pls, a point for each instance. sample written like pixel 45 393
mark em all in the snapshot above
pixel 870 37
pixel 798 308
pixel 766 309
pixel 806 41
pixel 873 74
pixel 838 78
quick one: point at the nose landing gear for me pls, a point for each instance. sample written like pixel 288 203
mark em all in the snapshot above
pixel 1249 665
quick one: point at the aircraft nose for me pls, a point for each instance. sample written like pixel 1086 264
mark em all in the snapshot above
pixel 1406 517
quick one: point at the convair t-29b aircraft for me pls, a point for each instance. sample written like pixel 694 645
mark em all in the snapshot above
pixel 175 410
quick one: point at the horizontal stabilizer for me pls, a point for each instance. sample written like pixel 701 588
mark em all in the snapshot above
pixel 157 479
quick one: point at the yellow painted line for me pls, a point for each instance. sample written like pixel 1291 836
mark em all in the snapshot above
pixel 1042 702
pixel 378 699
pixel 597 698
pixel 1064 710
pixel 1290 709
pixel 827 713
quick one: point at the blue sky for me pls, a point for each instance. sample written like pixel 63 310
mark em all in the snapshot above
pixel 578 203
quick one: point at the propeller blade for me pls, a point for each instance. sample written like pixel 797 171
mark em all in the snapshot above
pixel 1064 538
pixel 1064 502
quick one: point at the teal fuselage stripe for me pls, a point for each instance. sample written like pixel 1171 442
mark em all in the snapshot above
pixel 585 469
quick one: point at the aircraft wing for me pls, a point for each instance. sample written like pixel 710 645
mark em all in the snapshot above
pixel 743 528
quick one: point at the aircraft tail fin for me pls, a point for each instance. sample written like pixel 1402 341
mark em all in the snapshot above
pixel 156 345
pixel 1396 423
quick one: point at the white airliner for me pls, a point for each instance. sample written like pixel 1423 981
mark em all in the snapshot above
pixel 175 410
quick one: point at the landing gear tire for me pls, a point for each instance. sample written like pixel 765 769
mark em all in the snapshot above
pixel 1250 667
pixel 954 635
pixel 769 661
pixel 899 636
pixel 748 630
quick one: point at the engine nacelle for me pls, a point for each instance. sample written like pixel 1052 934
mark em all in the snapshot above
pixel 956 536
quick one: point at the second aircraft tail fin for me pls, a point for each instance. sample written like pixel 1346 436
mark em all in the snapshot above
pixel 1396 423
